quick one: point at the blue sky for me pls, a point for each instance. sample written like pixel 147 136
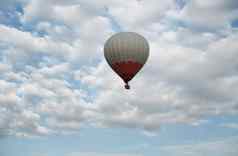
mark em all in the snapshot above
pixel 58 96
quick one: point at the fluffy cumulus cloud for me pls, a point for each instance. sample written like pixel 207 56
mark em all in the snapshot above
pixel 204 14
pixel 54 76
pixel 183 88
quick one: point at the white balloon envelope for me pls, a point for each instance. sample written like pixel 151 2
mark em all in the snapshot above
pixel 126 53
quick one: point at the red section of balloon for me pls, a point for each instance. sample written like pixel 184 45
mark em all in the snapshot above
pixel 126 69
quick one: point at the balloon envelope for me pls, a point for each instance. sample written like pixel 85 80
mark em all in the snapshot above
pixel 126 53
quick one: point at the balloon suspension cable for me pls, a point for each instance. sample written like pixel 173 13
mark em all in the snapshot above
pixel 127 86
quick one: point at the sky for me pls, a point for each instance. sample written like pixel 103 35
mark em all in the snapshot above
pixel 59 97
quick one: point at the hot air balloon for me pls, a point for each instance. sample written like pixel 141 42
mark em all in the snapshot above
pixel 126 53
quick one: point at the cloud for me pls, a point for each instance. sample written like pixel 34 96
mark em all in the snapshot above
pixel 183 88
pixel 71 23
pixel 16 118
pixel 24 46
pixel 55 77
pixel 141 13
pixel 101 154
pixel 221 147
pixel 195 10
pixel 230 125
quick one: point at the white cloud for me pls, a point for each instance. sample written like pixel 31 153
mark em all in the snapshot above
pixel 132 15
pixel 16 118
pixel 24 46
pixel 101 154
pixel 183 88
pixel 27 49
pixel 189 38
pixel 43 10
pixel 201 13
pixel 223 147
pixel 230 125
pixel 58 71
